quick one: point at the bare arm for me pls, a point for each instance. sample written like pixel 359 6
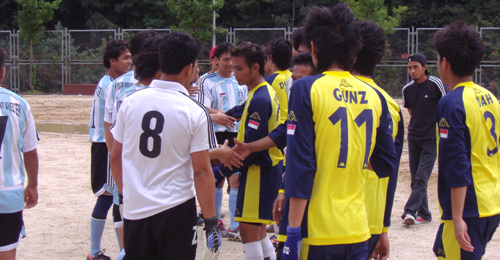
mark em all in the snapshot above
pixel 108 136
pixel 204 183
pixel 116 165
pixel 457 209
pixel 31 190
pixel 222 119
pixel 296 213
pixel 245 149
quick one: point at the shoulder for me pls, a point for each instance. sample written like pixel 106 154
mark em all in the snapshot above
pixel 408 85
pixel 271 78
pixel 438 83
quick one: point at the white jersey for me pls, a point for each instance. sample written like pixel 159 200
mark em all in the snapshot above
pixel 17 135
pixel 123 94
pixel 222 94
pixel 159 128
pixel 96 125
pixel 119 84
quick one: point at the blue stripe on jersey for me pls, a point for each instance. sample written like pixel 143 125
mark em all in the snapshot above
pixel 212 141
pixel 96 125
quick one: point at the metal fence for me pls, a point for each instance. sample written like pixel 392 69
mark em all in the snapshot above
pixel 75 56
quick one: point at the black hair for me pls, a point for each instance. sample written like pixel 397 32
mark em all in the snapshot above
pixel 298 38
pixel 222 48
pixel 305 58
pixel 137 42
pixel 371 54
pixel 177 50
pixel 147 62
pixel 333 31
pixel 461 45
pixel 114 48
pixel 2 57
pixel 252 52
pixel 281 50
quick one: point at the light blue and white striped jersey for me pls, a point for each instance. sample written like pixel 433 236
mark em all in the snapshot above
pixel 119 84
pixel 96 125
pixel 222 94
pixel 123 94
pixel 17 135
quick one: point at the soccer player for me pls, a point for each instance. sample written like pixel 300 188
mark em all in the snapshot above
pixel 379 193
pixel 159 151
pixel 18 142
pixel 116 59
pixel 279 53
pixel 302 66
pixel 261 174
pixel 468 118
pixel 420 97
pixel 337 128
pixel 221 92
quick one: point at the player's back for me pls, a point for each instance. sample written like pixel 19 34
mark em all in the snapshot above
pixel 332 127
pixel 279 81
pixel 478 110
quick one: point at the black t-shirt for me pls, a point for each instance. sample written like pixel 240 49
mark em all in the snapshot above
pixel 422 100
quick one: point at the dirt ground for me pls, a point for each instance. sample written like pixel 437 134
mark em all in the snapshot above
pixel 58 227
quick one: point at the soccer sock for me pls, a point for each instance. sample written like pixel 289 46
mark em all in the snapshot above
pixel 253 251
pixel 268 249
pixel 118 238
pixel 233 194
pixel 218 202
pixel 121 255
pixel 98 221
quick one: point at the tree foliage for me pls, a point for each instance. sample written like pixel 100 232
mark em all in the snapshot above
pixel 33 15
pixel 375 11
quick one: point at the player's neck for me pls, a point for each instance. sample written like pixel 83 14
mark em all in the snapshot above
pixel 422 79
pixel 113 73
pixel 224 74
pixel 258 80
pixel 334 67
pixel 453 81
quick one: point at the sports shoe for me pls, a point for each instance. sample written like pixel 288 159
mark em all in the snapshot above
pixel 270 229
pixel 222 229
pixel 234 235
pixel 421 220
pixel 99 256
pixel 409 220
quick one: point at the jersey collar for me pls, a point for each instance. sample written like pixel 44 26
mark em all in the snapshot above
pixel 169 85
pixel 466 84
pixel 343 74
pixel 259 86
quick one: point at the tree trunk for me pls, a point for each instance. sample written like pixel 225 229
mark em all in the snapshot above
pixel 32 87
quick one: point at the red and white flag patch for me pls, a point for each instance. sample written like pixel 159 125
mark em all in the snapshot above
pixel 222 95
pixel 253 124
pixel 443 133
pixel 290 129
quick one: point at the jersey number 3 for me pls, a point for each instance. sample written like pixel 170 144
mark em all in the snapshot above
pixel 151 133
pixel 366 116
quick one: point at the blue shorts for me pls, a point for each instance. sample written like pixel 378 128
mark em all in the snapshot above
pixel 358 251
pixel 480 231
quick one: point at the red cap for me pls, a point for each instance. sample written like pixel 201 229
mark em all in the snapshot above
pixel 212 52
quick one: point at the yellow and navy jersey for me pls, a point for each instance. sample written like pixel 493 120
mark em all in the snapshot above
pixel 335 127
pixel 379 193
pixel 279 81
pixel 469 128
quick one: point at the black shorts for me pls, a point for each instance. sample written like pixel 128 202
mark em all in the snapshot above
pixel 11 225
pixel 171 234
pixel 100 173
pixel 222 136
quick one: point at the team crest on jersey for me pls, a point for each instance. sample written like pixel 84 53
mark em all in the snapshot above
pixel 345 84
pixel 255 116
pixel 443 123
pixel 291 117
pixel 290 129
pixel 253 124
pixel 443 133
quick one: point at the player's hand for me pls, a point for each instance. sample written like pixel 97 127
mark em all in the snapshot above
pixel 120 204
pixel 462 236
pixel 222 119
pixel 293 244
pixel 228 157
pixel 213 238
pixel 381 251
pixel 193 90
pixel 241 148
pixel 30 196
pixel 278 205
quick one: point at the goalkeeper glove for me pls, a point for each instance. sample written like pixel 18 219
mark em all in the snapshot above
pixel 213 238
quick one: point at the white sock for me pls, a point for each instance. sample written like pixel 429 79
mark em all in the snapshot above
pixel 268 249
pixel 253 251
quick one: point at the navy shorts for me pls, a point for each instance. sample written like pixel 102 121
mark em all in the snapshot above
pixel 358 251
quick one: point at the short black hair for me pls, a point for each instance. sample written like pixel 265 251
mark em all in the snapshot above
pixel 298 38
pixel 2 57
pixel 281 50
pixel 334 32
pixel 147 62
pixel 305 58
pixel 177 50
pixel 461 45
pixel 137 42
pixel 114 48
pixel 371 54
pixel 252 52
pixel 222 48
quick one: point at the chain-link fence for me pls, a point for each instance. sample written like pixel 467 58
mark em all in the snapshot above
pixel 75 56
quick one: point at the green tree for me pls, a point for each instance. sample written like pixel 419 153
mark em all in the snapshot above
pixel 32 16
pixel 376 11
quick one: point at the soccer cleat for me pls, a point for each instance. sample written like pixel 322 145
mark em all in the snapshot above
pixel 409 220
pixel 234 235
pixel 421 220
pixel 222 229
pixel 99 256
